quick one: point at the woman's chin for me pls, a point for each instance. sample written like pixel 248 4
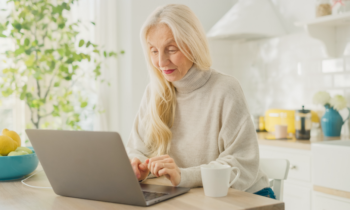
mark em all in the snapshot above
pixel 171 78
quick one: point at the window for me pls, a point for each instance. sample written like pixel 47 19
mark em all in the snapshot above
pixel 14 113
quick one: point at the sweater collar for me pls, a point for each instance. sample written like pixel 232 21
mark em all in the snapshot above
pixel 194 79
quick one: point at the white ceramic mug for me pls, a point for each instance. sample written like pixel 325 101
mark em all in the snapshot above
pixel 216 179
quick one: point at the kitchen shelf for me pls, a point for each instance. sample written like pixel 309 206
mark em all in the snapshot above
pixel 324 29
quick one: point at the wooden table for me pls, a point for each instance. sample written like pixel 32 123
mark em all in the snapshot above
pixel 16 196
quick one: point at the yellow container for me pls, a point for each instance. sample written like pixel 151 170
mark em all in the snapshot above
pixel 273 117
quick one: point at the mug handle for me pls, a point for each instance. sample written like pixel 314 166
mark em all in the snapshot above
pixel 237 176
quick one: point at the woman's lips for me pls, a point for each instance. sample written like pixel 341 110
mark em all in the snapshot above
pixel 168 71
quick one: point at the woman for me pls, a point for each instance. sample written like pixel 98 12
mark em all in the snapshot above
pixel 190 114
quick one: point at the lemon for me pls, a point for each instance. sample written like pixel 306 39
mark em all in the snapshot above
pixel 13 135
pixel 26 149
pixel 7 145
pixel 15 153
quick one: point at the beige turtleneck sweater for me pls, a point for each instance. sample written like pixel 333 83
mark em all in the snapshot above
pixel 212 125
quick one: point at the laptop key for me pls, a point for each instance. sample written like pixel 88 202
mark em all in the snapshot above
pixel 152 195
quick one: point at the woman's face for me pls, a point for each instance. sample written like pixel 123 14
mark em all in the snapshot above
pixel 165 54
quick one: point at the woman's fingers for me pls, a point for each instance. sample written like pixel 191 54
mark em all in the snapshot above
pixel 172 174
pixel 153 161
pixel 135 162
pixel 158 158
pixel 143 166
pixel 164 165
pixel 158 165
pixel 155 166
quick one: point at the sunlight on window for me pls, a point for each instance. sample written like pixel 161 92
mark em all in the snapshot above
pixel 83 86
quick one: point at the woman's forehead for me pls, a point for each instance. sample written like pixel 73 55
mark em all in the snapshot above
pixel 159 35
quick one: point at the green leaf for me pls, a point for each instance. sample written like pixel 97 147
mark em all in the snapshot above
pixel 7 92
pixel 29 96
pixel 67 108
pixel 26 42
pixel 69 77
pixel 93 23
pixel 88 44
pixel 56 84
pixel 19 51
pixel 81 42
pixel 17 25
pixel 61 25
pixel 29 51
pixel 52 64
pixel 105 54
pixel 61 51
pixel 23 95
pixel 122 52
pixel 112 54
pixel 70 60
pixel 24 91
pixel 84 104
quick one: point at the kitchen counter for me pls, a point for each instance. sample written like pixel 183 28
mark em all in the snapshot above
pixel 294 143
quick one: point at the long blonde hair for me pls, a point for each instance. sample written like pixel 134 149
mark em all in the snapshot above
pixel 192 42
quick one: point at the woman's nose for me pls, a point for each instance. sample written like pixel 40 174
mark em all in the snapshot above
pixel 163 60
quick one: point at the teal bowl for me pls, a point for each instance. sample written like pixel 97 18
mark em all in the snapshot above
pixel 16 167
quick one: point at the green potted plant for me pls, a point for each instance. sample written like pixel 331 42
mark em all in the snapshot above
pixel 45 64
pixel 331 121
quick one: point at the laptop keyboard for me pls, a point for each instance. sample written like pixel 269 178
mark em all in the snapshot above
pixel 152 195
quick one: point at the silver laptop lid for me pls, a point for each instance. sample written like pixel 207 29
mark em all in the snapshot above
pixel 83 164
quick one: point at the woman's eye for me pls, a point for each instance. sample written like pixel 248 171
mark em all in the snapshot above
pixel 172 51
pixel 154 52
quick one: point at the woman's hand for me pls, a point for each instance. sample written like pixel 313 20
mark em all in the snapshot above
pixel 140 169
pixel 164 165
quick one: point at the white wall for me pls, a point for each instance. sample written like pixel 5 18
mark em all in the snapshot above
pixel 133 75
pixel 285 72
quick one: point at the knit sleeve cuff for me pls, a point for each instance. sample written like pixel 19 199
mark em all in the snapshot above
pixel 190 177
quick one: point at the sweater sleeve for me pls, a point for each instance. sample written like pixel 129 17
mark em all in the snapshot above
pixel 136 146
pixel 238 146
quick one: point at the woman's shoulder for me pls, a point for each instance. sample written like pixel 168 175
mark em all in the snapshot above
pixel 225 84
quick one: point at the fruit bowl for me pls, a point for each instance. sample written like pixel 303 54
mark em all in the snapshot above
pixel 16 167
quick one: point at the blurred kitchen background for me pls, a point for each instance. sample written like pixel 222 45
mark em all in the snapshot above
pixel 281 51
pixel 283 69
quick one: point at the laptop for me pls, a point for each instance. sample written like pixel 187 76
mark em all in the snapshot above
pixel 94 165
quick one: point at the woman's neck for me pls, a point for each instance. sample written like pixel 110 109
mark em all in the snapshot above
pixel 194 79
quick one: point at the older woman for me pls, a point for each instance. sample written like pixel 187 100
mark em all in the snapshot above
pixel 190 114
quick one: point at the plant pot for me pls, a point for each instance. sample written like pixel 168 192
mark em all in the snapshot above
pixel 332 122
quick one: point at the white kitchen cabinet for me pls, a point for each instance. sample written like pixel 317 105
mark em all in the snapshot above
pixel 297 188
pixel 323 201
pixel 296 197
pixel 331 173
pixel 324 166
